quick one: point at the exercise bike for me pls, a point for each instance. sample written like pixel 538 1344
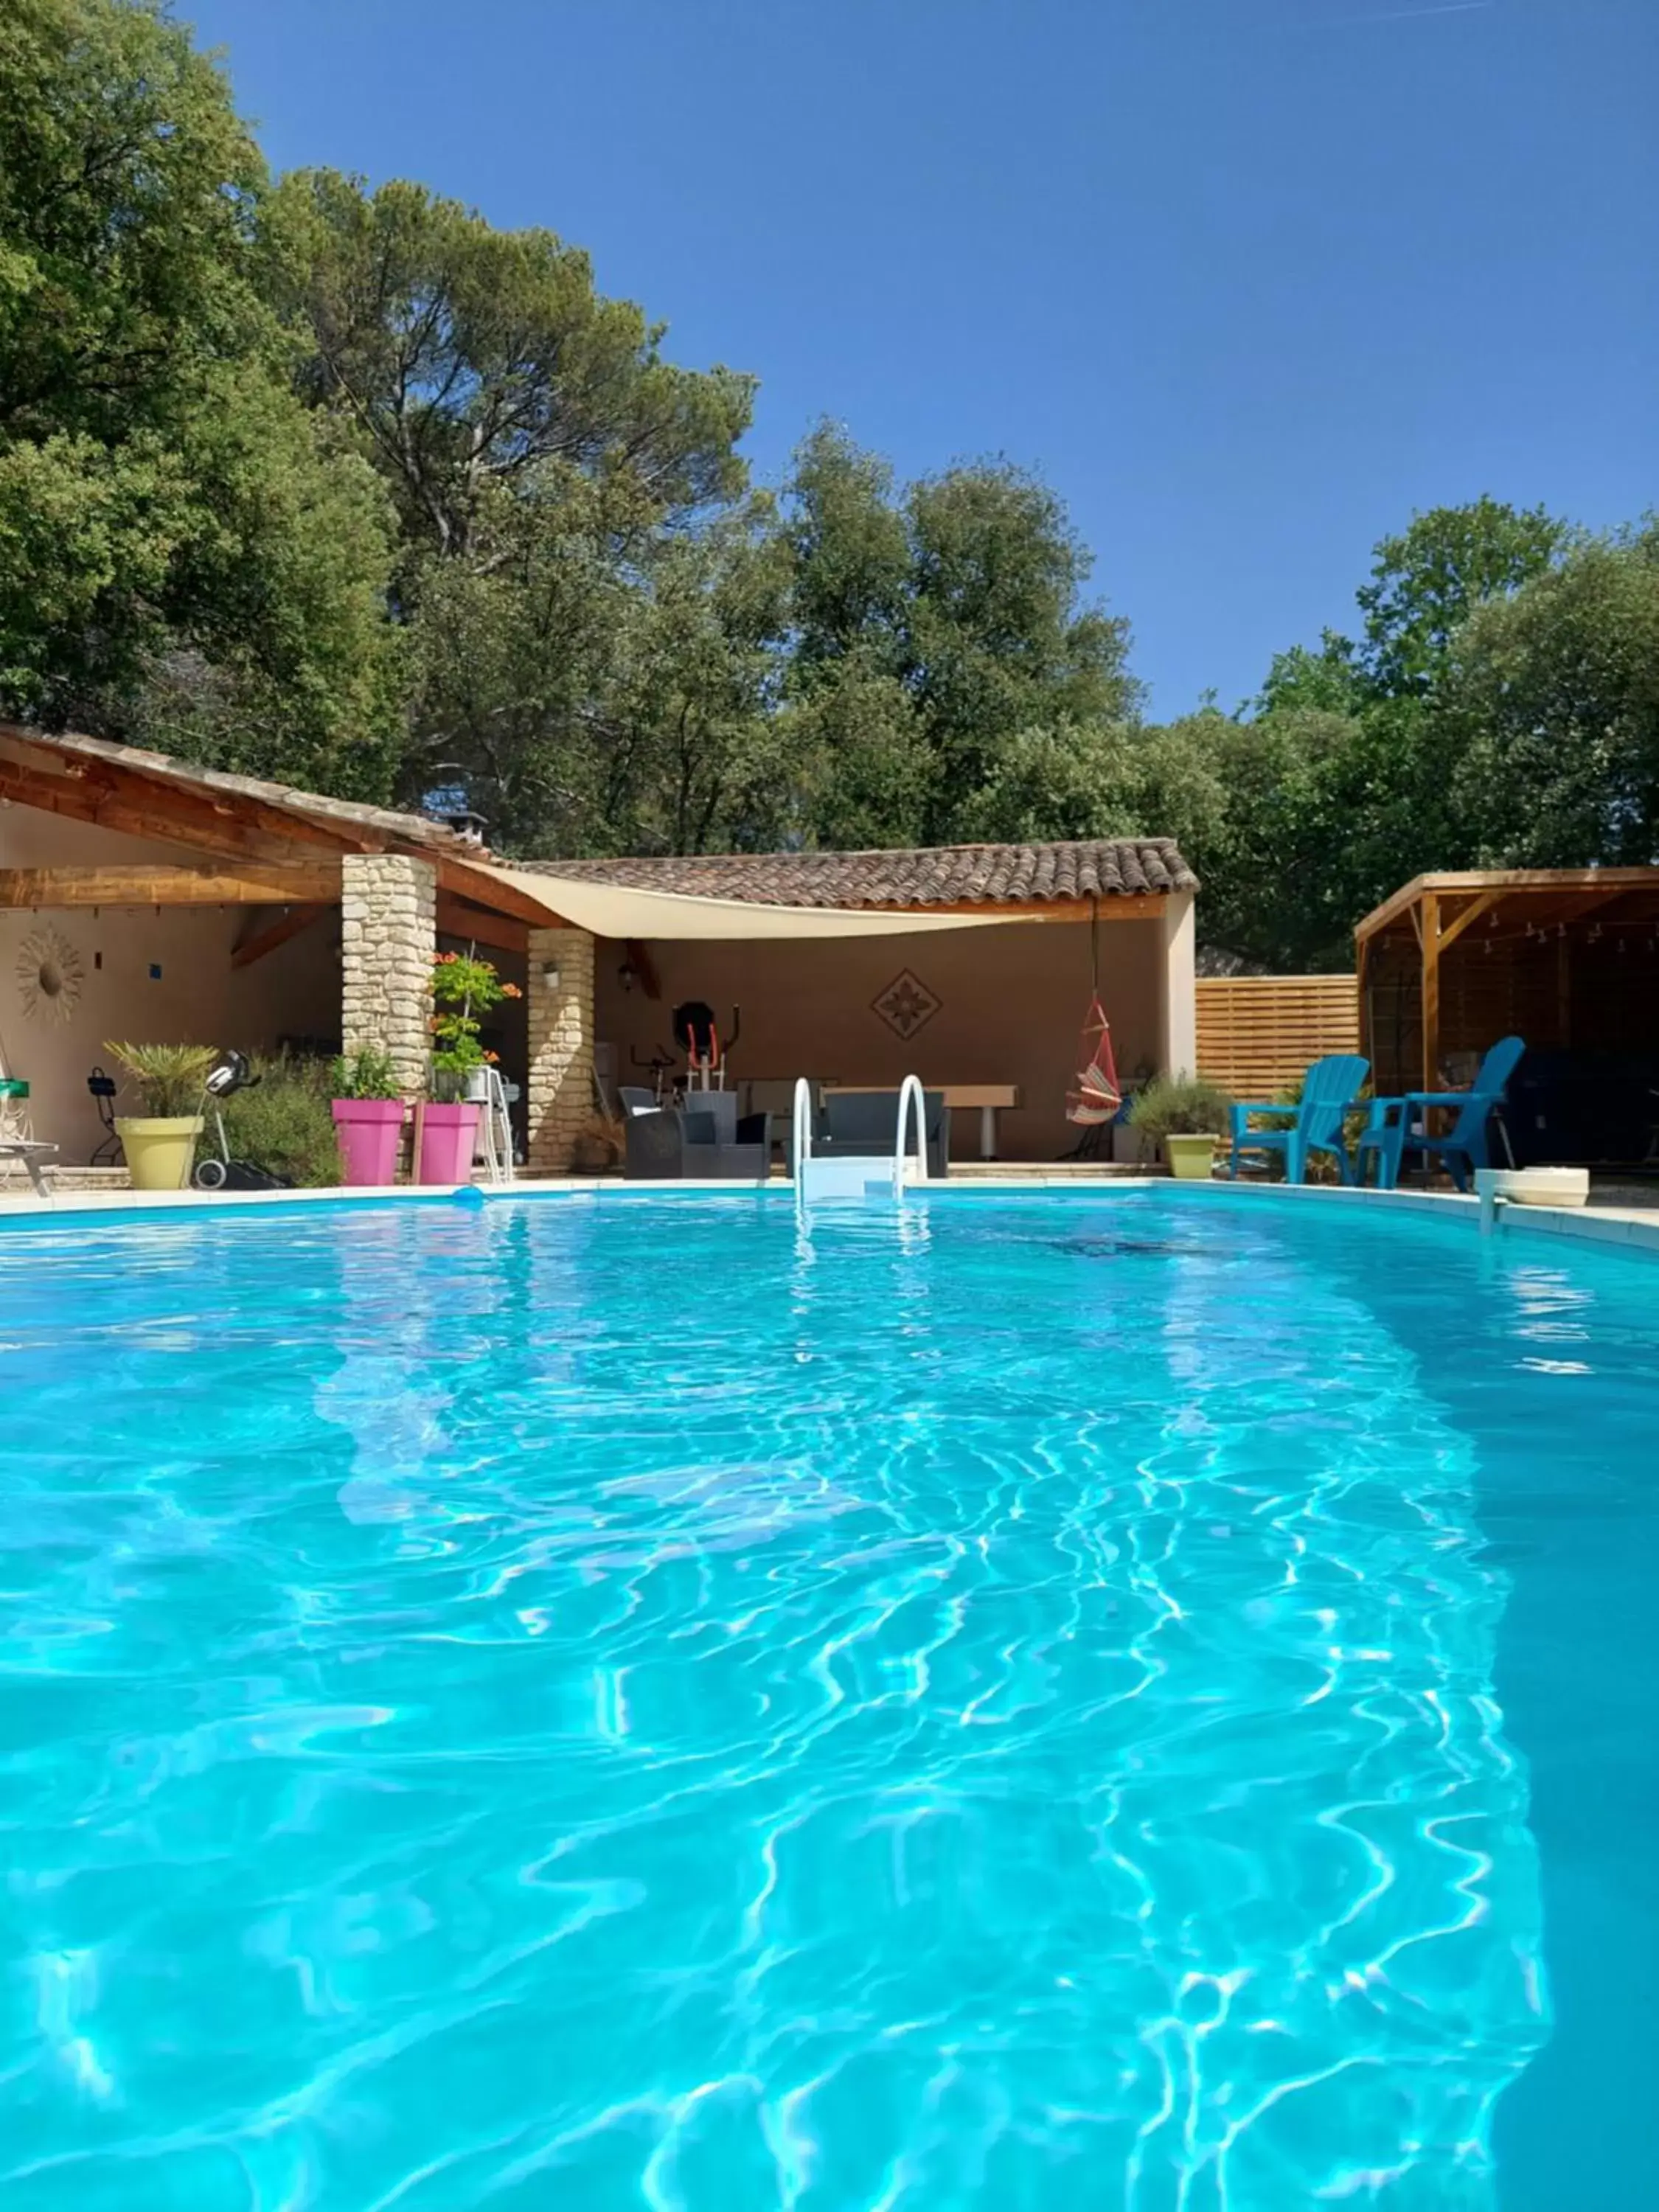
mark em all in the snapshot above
pixel 230 1074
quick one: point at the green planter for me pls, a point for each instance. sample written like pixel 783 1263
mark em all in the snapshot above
pixel 1190 1157
pixel 160 1149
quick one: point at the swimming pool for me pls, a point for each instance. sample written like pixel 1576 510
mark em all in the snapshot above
pixel 1139 1700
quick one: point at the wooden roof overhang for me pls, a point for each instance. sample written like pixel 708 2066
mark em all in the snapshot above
pixel 258 849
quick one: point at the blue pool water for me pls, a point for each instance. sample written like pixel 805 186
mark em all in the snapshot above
pixel 1139 1701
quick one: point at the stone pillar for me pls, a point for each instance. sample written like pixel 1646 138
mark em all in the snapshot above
pixel 559 991
pixel 1178 996
pixel 388 938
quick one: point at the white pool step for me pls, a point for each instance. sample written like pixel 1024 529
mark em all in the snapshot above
pixel 856 1177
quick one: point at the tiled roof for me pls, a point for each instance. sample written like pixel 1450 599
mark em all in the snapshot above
pixel 938 875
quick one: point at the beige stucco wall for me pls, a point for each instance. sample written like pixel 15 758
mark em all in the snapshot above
pixel 198 997
pixel 1013 1003
pixel 1178 1041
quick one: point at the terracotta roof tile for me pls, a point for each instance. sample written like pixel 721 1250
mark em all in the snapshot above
pixel 940 875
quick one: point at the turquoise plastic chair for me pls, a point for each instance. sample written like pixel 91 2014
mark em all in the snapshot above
pixel 1399 1126
pixel 1328 1089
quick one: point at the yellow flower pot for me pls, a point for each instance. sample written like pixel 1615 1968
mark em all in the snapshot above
pixel 1190 1157
pixel 160 1151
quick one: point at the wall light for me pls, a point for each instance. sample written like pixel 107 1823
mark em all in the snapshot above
pixel 549 974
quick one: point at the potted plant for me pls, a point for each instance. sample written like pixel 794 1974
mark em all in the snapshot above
pixel 368 1117
pixel 463 988
pixel 160 1144
pixel 1188 1117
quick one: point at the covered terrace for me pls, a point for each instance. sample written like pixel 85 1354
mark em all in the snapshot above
pixel 1566 959
pixel 142 897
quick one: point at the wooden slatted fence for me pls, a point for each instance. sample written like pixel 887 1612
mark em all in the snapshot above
pixel 1257 1033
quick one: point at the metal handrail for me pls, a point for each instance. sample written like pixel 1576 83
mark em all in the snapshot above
pixel 803 1129
pixel 911 1088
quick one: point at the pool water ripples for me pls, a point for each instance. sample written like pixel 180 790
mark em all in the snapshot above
pixel 599 1704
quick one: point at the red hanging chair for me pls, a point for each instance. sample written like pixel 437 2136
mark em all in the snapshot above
pixel 1098 1095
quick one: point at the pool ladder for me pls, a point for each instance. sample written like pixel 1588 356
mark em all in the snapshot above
pixel 862 1176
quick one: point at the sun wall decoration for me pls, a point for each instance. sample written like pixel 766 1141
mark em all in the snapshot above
pixel 50 976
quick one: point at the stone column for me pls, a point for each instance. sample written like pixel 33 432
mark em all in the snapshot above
pixel 559 990
pixel 388 937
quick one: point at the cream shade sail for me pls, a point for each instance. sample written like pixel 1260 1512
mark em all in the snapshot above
pixel 618 910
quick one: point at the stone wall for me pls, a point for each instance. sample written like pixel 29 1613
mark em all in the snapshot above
pixel 560 1096
pixel 388 917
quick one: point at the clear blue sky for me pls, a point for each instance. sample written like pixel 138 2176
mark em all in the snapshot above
pixel 1247 281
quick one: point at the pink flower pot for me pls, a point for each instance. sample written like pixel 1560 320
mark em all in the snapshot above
pixel 448 1134
pixel 369 1130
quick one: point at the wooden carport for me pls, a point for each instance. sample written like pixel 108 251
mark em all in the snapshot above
pixel 1566 958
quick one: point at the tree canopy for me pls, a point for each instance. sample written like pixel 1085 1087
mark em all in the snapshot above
pixel 351 487
pixel 187 553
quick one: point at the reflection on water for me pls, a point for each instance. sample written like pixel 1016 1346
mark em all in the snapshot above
pixel 610 1703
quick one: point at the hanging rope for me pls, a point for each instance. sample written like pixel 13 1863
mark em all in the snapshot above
pixel 1098 1093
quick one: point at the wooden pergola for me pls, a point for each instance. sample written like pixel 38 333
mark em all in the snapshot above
pixel 1567 958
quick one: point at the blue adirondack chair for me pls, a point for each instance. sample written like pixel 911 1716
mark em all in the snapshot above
pixel 1399 1126
pixel 1327 1092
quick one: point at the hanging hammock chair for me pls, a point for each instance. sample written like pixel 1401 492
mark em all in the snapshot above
pixel 1097 1095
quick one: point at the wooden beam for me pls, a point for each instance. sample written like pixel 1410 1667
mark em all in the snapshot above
pixel 638 956
pixel 1543 880
pixel 458 917
pixel 1537 882
pixel 1363 1002
pixel 1404 901
pixel 469 881
pixel 251 884
pixel 88 799
pixel 1430 991
pixel 91 798
pixel 1120 906
pixel 156 794
pixel 1451 931
pixel 286 927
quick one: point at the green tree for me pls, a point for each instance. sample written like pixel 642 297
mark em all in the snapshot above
pixel 712 768
pixel 586 706
pixel 467 357
pixel 184 555
pixel 1550 707
pixel 943 668
pixel 1429 580
pixel 1365 784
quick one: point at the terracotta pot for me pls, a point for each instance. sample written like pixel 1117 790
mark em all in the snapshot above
pixel 369 1131
pixel 160 1149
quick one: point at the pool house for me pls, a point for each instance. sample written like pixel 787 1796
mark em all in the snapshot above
pixel 141 897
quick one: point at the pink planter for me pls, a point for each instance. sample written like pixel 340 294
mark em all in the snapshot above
pixel 448 1134
pixel 369 1130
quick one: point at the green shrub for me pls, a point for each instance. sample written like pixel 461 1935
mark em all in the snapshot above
pixel 364 1073
pixel 1180 1106
pixel 283 1123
